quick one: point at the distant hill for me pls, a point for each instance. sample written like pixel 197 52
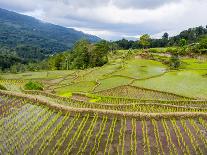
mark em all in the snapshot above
pixel 24 33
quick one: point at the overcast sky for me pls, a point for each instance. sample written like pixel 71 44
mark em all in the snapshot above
pixel 116 19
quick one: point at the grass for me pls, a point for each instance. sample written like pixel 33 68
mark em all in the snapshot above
pixel 189 63
pixel 67 80
pixel 162 49
pixel 38 75
pixel 42 123
pixel 113 82
pixel 85 86
pixel 99 73
pixel 140 69
pixel 82 73
pixel 11 86
pixel 192 83
pixel 34 129
pixel 135 92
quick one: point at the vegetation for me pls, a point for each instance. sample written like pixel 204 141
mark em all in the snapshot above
pixel 174 60
pixel 27 57
pixel 47 123
pixel 2 87
pixel 145 41
pixel 27 39
pixel 54 132
pixel 85 55
pixel 32 85
pixel 98 98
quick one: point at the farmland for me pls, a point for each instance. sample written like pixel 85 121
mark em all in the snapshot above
pixel 128 106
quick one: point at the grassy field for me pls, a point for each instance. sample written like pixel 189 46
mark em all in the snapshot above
pixel 85 86
pixel 195 64
pixel 112 82
pixel 37 75
pixel 192 83
pixel 128 106
pixel 141 69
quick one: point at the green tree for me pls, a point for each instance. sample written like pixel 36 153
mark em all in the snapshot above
pixel 85 54
pixel 165 36
pixel 183 42
pixel 80 55
pixel 203 42
pixel 145 41
pixel 99 54
pixel 175 60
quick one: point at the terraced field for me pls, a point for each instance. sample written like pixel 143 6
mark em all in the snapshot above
pixel 132 107
pixel 38 129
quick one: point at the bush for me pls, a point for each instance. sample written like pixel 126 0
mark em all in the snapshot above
pixel 174 61
pixel 2 87
pixel 203 51
pixel 153 50
pixel 33 85
pixel 171 50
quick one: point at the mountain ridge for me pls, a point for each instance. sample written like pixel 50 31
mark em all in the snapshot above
pixel 18 29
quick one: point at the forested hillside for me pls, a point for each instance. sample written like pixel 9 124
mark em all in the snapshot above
pixel 28 39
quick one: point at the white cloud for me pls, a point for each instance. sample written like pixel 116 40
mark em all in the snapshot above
pixel 112 19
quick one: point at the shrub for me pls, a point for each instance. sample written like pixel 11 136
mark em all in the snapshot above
pixel 174 61
pixel 33 85
pixel 203 51
pixel 171 50
pixel 153 50
pixel 2 87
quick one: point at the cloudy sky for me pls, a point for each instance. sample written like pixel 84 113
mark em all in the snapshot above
pixel 116 19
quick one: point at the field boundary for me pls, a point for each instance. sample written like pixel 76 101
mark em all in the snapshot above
pixel 137 115
pixel 131 101
pixel 129 85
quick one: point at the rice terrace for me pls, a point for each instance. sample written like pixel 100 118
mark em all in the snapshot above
pixel 65 92
pixel 107 110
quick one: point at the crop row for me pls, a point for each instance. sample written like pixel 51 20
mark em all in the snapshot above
pixel 128 91
pixel 142 111
pixel 108 100
pixel 39 130
pixel 135 105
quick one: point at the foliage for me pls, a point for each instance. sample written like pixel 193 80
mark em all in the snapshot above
pixel 30 31
pixel 192 35
pixel 182 42
pixel 174 61
pixel 126 44
pixel 153 50
pixel 30 40
pixel 165 36
pixel 33 85
pixel 85 55
pixel 145 41
pixel 203 42
pixel 2 87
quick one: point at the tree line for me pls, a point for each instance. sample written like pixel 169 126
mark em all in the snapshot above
pixel 85 54
pixel 191 35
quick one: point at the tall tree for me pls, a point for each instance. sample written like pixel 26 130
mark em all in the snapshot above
pixel 165 36
pixel 183 42
pixel 145 41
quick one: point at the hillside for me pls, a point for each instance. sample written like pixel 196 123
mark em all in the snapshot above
pixel 128 106
pixel 63 92
pixel 21 33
